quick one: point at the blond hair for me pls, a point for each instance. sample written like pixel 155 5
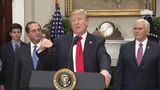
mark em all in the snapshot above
pixel 77 11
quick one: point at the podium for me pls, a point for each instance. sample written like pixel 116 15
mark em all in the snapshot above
pixel 43 80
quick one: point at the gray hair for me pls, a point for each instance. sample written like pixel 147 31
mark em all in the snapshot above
pixel 146 23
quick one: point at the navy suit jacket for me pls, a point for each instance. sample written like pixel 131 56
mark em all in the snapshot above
pixel 8 59
pixel 59 56
pixel 23 68
pixel 130 76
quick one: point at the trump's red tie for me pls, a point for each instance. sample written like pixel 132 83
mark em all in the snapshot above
pixel 79 56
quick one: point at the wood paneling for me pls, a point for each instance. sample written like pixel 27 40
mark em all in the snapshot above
pixel 5 20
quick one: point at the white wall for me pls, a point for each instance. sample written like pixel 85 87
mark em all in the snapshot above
pixel 18 14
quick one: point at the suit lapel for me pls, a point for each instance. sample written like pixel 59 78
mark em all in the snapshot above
pixel 134 61
pixel 11 49
pixel 22 43
pixel 69 50
pixel 146 53
pixel 28 56
pixel 89 45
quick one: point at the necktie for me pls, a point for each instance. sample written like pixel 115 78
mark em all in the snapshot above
pixel 35 57
pixel 16 46
pixel 139 54
pixel 79 57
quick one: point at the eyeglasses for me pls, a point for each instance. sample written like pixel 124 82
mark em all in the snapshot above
pixel 35 30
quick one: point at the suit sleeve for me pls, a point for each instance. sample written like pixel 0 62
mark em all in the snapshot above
pixel 118 77
pixel 104 58
pixel 47 58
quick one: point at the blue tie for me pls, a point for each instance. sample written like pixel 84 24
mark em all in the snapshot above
pixel 35 57
pixel 16 46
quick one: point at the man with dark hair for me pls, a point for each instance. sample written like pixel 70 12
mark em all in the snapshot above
pixel 8 56
pixel 26 59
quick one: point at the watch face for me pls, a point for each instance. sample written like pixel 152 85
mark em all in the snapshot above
pixel 106 29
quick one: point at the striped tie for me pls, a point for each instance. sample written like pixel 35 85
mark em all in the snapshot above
pixel 35 57
pixel 139 54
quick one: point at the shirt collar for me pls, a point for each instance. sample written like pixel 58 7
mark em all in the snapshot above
pixel 144 42
pixel 38 45
pixel 83 36
pixel 15 42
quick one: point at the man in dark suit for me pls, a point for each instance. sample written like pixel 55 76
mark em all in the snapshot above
pixel 138 66
pixel 8 55
pixel 25 57
pixel 94 57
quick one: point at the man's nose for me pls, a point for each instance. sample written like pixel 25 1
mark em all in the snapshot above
pixel 77 21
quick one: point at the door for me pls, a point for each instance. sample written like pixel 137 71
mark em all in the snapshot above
pixel 5 20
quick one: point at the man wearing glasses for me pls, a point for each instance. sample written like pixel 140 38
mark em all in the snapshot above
pixel 26 59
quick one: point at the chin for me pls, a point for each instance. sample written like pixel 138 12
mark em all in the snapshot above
pixel 17 39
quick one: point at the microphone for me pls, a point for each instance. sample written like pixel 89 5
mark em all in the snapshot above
pixel 74 42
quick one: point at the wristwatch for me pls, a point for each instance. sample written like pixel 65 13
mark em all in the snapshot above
pixel 107 29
